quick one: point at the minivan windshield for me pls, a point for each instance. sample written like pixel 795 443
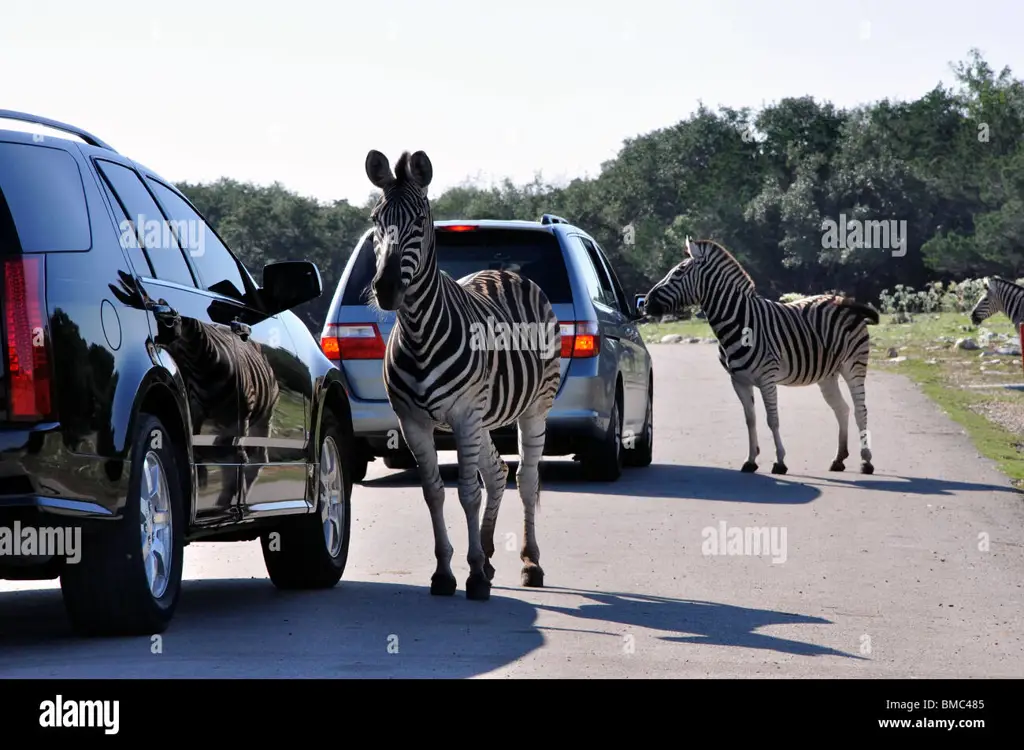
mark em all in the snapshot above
pixel 533 254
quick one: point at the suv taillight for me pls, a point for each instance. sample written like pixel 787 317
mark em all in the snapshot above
pixel 352 341
pixel 29 375
pixel 580 339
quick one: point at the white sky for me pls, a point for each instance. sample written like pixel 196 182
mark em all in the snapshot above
pixel 298 91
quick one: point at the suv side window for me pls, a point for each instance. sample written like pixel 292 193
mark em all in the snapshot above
pixel 606 292
pixel 219 272
pixel 623 301
pixel 151 239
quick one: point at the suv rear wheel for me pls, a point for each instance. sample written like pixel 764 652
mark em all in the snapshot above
pixel 310 551
pixel 603 462
pixel 128 580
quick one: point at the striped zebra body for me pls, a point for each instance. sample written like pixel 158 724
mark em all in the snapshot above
pixel 1001 296
pixel 443 371
pixel 764 344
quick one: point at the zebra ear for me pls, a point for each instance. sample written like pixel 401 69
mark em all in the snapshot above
pixel 419 169
pixel 378 169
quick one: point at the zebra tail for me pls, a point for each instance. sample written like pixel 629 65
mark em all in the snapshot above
pixel 861 311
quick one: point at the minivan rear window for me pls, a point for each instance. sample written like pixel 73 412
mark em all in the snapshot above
pixel 535 255
pixel 42 201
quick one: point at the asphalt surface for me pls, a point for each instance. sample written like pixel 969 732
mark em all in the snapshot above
pixel 915 571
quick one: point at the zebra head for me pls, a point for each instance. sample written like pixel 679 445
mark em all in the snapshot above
pixel 679 288
pixel 403 229
pixel 990 302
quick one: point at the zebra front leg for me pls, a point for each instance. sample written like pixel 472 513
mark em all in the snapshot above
pixel 532 429
pixel 420 439
pixel 834 398
pixel 494 473
pixel 770 396
pixel 745 393
pixel 854 377
pixel 469 440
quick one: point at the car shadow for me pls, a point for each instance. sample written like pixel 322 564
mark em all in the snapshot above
pixel 690 621
pixel 654 481
pixel 246 628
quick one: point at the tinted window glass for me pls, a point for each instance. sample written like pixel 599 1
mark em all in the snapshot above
pixel 42 197
pixel 531 254
pixel 152 230
pixel 136 255
pixel 218 270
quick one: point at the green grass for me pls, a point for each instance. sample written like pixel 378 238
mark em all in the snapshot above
pixel 944 374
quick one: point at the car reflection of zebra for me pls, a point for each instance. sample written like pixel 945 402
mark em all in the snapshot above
pixel 214 364
pixel 1001 296
pixel 764 343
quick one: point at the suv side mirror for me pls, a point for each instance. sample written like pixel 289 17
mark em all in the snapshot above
pixel 638 305
pixel 288 284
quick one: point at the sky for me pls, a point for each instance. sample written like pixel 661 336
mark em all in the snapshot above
pixel 297 92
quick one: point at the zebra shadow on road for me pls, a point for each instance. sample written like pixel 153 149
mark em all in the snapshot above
pixel 245 628
pixel 654 481
pixel 910 485
pixel 688 621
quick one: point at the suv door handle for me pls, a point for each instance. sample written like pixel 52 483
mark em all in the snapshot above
pixel 241 329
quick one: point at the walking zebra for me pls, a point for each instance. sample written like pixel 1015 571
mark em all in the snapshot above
pixel 437 375
pixel 1001 296
pixel 765 344
pixel 214 363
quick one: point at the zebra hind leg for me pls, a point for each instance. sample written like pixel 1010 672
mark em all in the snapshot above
pixel 494 474
pixel 469 441
pixel 420 439
pixel 834 398
pixel 854 376
pixel 745 393
pixel 770 396
pixel 532 429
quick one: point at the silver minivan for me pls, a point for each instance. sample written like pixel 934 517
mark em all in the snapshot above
pixel 604 411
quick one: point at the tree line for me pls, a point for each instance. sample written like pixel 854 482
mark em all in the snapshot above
pixel 809 197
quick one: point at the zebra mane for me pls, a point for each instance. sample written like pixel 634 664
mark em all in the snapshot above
pixel 402 168
pixel 740 276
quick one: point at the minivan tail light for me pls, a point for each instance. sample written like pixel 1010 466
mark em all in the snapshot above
pixel 352 341
pixel 29 375
pixel 580 339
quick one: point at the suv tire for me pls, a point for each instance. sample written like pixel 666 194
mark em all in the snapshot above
pixel 109 591
pixel 310 551
pixel 603 462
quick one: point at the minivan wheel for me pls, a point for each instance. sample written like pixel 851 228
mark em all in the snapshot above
pixel 603 462
pixel 128 580
pixel 310 551
pixel 643 453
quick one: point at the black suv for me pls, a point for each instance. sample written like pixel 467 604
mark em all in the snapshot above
pixel 151 393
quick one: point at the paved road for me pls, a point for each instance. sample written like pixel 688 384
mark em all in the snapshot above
pixel 883 576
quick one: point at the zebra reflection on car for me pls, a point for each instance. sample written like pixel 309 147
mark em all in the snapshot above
pixel 214 363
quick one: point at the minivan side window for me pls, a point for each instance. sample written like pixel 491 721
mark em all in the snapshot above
pixel 145 226
pixel 606 292
pixel 218 270
pixel 623 302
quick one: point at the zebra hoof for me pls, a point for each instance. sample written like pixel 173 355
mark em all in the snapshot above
pixel 779 468
pixel 489 570
pixel 441 585
pixel 478 588
pixel 837 465
pixel 749 467
pixel 867 468
pixel 533 576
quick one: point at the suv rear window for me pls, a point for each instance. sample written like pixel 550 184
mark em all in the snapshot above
pixel 42 201
pixel 535 255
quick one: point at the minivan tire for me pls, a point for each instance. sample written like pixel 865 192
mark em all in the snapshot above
pixel 603 462
pixel 296 552
pixel 643 453
pixel 107 591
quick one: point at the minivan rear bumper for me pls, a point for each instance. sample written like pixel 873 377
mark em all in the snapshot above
pixel 579 416
pixel 38 473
